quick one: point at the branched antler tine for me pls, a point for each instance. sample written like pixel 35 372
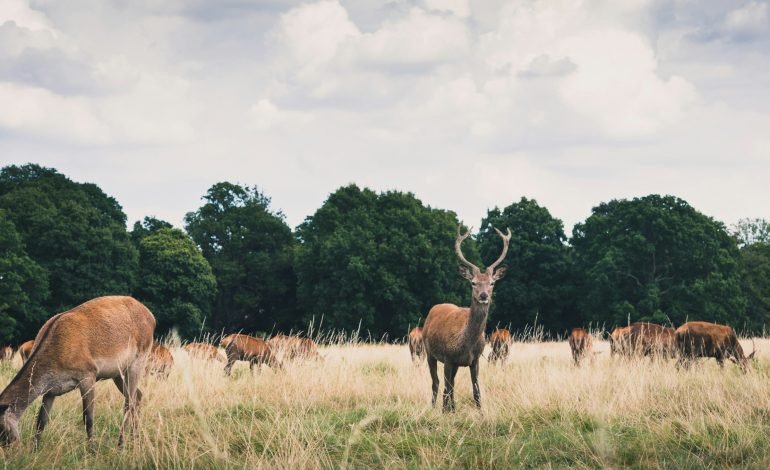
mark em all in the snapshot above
pixel 458 249
pixel 506 239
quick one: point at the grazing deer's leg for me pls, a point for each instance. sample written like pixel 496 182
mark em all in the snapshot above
pixel 86 387
pixel 128 385
pixel 475 383
pixel 42 417
pixel 450 370
pixel 229 366
pixel 433 366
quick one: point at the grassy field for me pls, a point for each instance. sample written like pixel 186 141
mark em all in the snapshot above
pixel 368 406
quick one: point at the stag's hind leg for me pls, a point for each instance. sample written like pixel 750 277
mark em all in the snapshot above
pixel 433 368
pixel 129 387
pixel 86 387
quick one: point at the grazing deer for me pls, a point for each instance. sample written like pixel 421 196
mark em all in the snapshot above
pixel 702 339
pixel 161 361
pixel 204 351
pixel 6 353
pixel 104 338
pixel 25 349
pixel 499 341
pixel 416 345
pixel 455 335
pixel 649 339
pixel 290 347
pixel 241 347
pixel 619 341
pixel 581 343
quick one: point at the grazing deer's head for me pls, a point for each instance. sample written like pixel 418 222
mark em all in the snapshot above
pixel 482 282
pixel 9 425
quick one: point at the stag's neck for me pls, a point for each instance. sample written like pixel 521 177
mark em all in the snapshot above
pixel 24 388
pixel 477 322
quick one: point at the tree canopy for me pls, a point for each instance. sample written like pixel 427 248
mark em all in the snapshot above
pixel 656 258
pixel 250 249
pixel 379 259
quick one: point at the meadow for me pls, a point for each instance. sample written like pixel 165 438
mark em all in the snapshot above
pixel 368 406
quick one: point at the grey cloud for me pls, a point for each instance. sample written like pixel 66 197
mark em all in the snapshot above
pixel 544 66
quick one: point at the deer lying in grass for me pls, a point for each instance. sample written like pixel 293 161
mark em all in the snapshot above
pixel 291 347
pixel 416 345
pixel 204 351
pixel 241 347
pixel 580 343
pixel 455 335
pixel 499 341
pixel 25 349
pixel 702 339
pixel 104 338
pixel 161 361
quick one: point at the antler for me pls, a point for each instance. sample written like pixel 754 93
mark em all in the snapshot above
pixel 459 251
pixel 506 239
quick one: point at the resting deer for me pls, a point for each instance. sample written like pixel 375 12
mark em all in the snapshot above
pixel 104 338
pixel 455 335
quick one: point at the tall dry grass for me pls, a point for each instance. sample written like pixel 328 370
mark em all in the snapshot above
pixel 369 406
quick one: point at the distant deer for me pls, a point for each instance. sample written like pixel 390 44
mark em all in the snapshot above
pixel 255 351
pixel 416 345
pixel 703 339
pixel 204 351
pixel 580 343
pixel 104 338
pixel 25 349
pixel 455 335
pixel 499 341
pixel 161 361
pixel 6 353
pixel 619 341
pixel 291 347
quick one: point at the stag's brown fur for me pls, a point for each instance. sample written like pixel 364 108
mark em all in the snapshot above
pixel 204 351
pixel 241 347
pixel 6 353
pixel 455 335
pixel 580 343
pixel 649 339
pixel 499 341
pixel 161 361
pixel 702 339
pixel 104 338
pixel 619 341
pixel 26 349
pixel 416 345
pixel 291 347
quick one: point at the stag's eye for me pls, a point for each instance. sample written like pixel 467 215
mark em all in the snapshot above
pixel 474 283
pixel 491 283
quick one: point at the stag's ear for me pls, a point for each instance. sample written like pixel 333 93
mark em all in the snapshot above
pixel 499 273
pixel 466 272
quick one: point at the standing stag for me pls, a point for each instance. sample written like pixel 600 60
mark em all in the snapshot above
pixel 499 341
pixel 455 335
pixel 255 351
pixel 580 343
pixel 416 345
pixel 104 338
pixel 702 339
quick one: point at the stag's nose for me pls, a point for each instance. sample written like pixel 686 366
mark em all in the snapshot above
pixel 483 296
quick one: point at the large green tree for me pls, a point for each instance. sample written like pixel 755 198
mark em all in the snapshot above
pixel 379 259
pixel 23 287
pixel 250 249
pixel 73 230
pixel 538 282
pixel 175 281
pixel 755 270
pixel 656 258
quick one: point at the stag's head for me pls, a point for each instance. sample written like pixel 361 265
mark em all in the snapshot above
pixel 483 282
pixel 9 425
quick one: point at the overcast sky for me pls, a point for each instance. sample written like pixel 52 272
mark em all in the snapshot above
pixel 468 104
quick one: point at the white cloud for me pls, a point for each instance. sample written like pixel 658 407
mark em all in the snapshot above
pixel 459 8
pixel 265 116
pixel 19 12
pixel 749 20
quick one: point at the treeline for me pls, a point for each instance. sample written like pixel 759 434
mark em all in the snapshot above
pixel 374 261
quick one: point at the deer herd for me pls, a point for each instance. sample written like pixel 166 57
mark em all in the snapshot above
pixel 113 338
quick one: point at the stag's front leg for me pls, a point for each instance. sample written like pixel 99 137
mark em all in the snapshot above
pixel 42 417
pixel 475 383
pixel 87 392
pixel 432 367
pixel 450 370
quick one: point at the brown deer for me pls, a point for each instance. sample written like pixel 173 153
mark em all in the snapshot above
pixel 25 349
pixel 161 361
pixel 416 345
pixel 702 339
pixel 204 351
pixel 455 335
pixel 649 339
pixel 291 347
pixel 499 341
pixel 104 338
pixel 619 341
pixel 6 353
pixel 256 351
pixel 580 343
